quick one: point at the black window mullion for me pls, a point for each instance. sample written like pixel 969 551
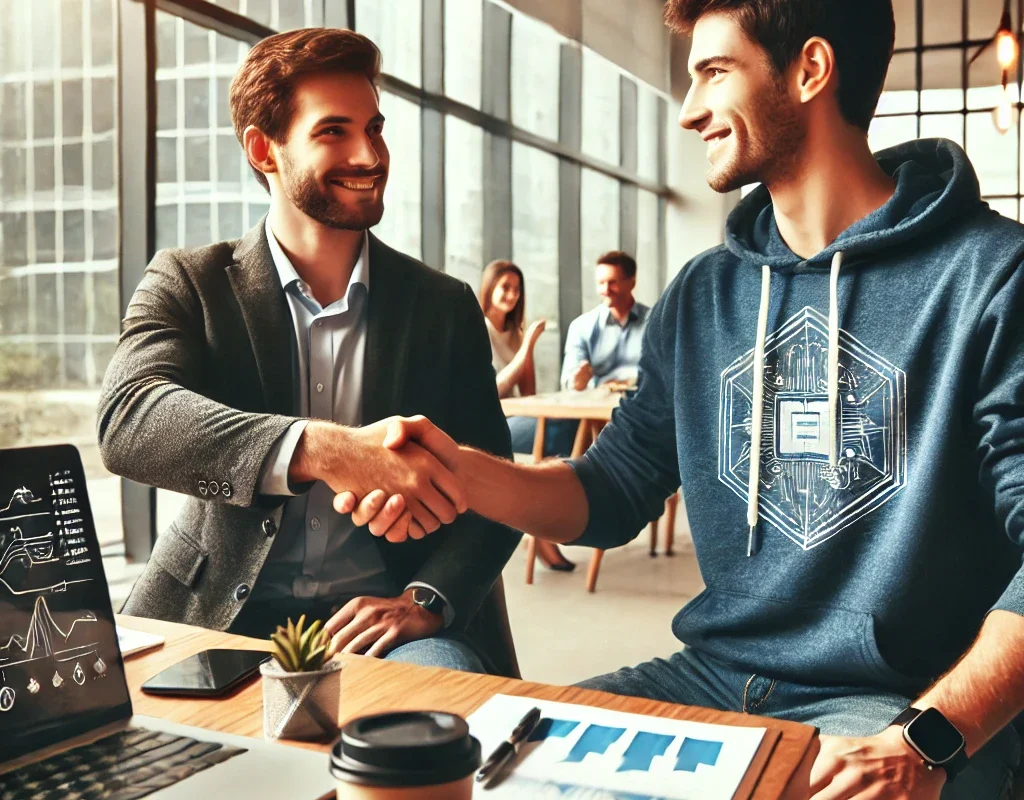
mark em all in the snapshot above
pixel 432 163
pixel 628 193
pixel 497 162
pixel 570 176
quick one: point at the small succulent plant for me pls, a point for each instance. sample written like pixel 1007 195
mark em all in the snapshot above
pixel 298 650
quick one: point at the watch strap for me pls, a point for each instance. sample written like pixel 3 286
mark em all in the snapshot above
pixel 955 765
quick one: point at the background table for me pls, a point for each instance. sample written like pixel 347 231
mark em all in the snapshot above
pixel 372 686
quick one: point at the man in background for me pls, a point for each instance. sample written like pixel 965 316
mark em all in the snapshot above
pixel 603 344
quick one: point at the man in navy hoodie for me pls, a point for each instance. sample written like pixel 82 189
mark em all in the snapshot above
pixel 840 391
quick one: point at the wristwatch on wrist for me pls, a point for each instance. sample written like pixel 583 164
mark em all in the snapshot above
pixel 935 739
pixel 429 599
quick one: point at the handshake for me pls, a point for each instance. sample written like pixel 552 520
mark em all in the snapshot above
pixel 399 476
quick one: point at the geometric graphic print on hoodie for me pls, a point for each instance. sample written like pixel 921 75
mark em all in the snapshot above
pixel 883 382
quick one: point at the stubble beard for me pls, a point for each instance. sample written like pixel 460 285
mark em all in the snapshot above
pixel 318 202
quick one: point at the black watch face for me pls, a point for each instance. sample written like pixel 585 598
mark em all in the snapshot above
pixel 934 736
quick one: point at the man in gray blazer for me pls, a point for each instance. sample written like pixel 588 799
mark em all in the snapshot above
pixel 246 368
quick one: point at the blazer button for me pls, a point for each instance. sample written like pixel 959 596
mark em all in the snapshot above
pixel 269 527
pixel 225 489
pixel 242 592
pixel 214 487
pixel 202 488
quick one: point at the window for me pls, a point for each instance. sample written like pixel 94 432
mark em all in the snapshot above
pixel 463 201
pixel 395 26
pixel 536 55
pixel 463 23
pixel 535 251
pixel 599 228
pixel 401 226
pixel 59 290
pixel 648 249
pixel 601 102
pixel 942 104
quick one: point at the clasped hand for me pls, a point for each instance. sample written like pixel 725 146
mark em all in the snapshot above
pixel 417 462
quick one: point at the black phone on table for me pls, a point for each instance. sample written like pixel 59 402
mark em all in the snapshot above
pixel 207 674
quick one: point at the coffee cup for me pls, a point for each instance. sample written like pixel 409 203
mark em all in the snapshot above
pixel 409 755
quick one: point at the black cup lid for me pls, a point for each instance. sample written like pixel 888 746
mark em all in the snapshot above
pixel 409 748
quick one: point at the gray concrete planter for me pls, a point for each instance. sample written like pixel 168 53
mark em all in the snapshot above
pixel 301 705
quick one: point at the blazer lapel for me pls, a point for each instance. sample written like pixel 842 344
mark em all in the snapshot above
pixel 388 333
pixel 265 310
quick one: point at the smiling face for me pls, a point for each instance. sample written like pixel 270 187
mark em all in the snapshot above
pixel 740 106
pixel 334 164
pixel 615 289
pixel 506 292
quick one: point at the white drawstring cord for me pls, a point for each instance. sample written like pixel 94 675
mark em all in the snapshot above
pixel 756 411
pixel 833 358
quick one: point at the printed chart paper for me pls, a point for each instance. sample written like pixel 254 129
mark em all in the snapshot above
pixel 583 753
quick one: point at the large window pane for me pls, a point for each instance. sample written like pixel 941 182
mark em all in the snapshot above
pixel 942 80
pixel 601 103
pixel 994 156
pixel 463 57
pixel 900 94
pixel 59 293
pixel 535 214
pixel 888 131
pixel 281 15
pixel 648 255
pixel 463 200
pixel 396 28
pixel 599 227
pixel 942 24
pixel 536 55
pixel 943 126
pixel 401 224
pixel 647 133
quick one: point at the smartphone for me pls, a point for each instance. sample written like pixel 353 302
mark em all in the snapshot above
pixel 207 674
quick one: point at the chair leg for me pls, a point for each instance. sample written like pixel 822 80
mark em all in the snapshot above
pixel 595 565
pixel 531 557
pixel 538 440
pixel 654 538
pixel 582 440
pixel 672 504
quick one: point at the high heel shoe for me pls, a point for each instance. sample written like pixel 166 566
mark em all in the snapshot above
pixel 552 557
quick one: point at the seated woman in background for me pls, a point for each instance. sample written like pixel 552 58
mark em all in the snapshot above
pixel 503 300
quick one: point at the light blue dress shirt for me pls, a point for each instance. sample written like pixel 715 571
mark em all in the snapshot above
pixel 613 350
pixel 316 556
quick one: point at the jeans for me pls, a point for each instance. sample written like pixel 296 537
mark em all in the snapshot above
pixel 439 651
pixel 559 435
pixel 692 678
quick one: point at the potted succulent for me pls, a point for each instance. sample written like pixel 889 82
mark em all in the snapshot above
pixel 301 684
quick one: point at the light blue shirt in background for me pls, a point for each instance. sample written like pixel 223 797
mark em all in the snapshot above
pixel 316 556
pixel 613 350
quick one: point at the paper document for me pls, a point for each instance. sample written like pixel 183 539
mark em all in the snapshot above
pixel 586 753
pixel 132 642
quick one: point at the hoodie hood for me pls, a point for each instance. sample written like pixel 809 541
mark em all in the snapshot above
pixel 935 183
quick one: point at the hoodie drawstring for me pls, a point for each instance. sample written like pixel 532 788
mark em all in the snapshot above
pixel 757 408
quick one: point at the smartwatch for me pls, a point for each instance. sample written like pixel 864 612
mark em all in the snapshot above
pixel 935 739
pixel 429 599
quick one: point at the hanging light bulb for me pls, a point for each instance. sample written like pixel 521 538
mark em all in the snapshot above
pixel 1006 48
pixel 1002 114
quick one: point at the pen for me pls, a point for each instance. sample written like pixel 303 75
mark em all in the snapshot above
pixel 510 747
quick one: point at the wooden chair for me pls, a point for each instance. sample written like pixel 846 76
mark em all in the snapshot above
pixel 671 506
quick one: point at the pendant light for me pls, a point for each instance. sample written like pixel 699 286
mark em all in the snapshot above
pixel 1007 51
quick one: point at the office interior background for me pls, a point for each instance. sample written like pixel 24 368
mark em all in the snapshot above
pixel 544 131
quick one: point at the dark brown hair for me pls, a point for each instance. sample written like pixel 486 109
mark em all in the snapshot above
pixel 492 274
pixel 862 34
pixel 624 261
pixel 262 89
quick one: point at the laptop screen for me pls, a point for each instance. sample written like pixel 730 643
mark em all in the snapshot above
pixel 61 671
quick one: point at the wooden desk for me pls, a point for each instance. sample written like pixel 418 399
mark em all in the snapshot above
pixel 371 686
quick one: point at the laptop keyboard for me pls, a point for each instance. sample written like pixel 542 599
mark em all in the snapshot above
pixel 124 766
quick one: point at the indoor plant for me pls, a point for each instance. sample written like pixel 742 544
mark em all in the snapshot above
pixel 301 684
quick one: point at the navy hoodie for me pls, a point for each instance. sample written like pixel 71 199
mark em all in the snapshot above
pixel 889 520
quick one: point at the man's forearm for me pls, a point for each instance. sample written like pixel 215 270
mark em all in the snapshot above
pixel 543 500
pixel 983 693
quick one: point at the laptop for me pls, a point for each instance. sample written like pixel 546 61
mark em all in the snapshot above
pixel 66 725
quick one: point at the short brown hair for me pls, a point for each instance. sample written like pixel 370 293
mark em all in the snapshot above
pixel 492 274
pixel 862 34
pixel 624 261
pixel 262 89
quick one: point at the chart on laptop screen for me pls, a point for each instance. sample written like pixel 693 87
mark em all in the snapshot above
pixel 58 652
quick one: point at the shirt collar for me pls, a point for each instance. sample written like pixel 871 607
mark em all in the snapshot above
pixel 288 276
pixel 636 314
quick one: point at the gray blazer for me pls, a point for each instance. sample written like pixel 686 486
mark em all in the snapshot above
pixel 193 401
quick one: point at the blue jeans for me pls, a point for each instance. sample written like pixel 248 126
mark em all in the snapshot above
pixel 439 651
pixel 559 435
pixel 692 678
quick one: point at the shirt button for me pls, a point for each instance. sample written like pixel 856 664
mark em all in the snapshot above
pixel 315 523
pixel 269 527
pixel 241 592
pixel 319 387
